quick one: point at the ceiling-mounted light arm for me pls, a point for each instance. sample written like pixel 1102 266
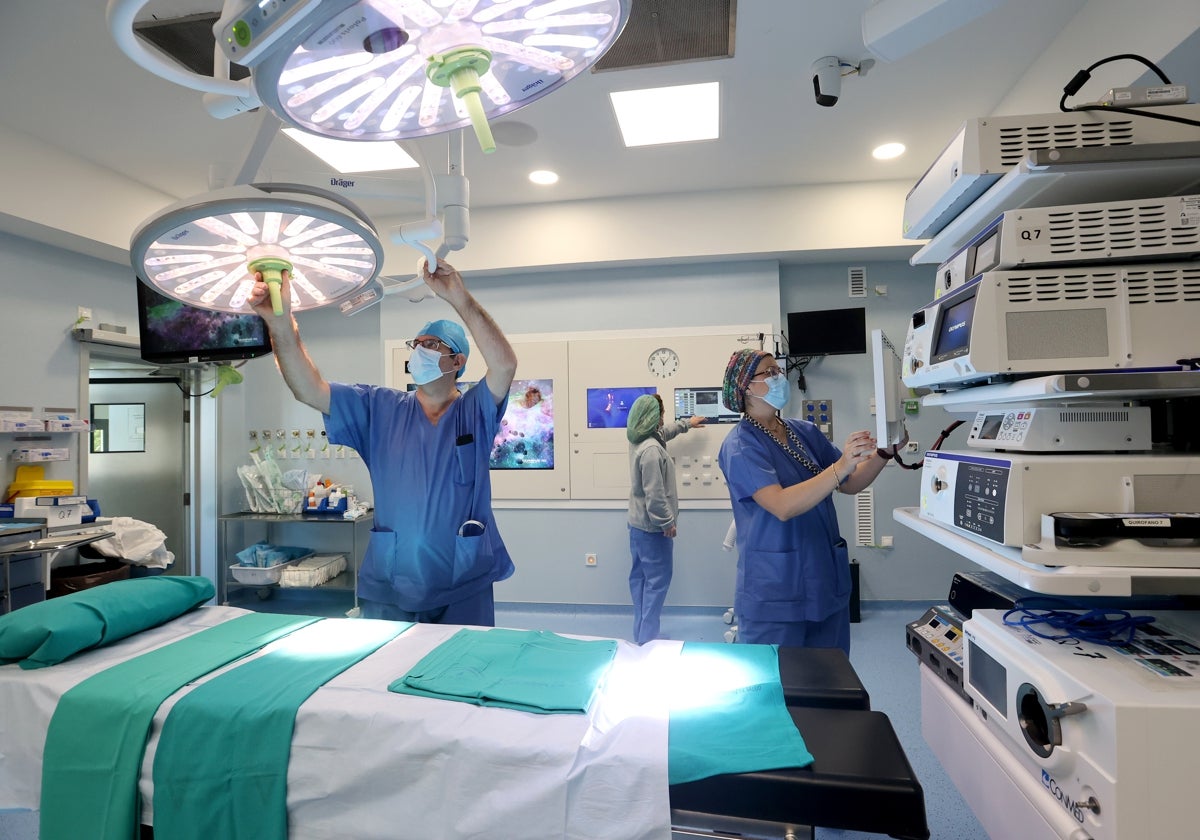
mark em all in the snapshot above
pixel 268 127
pixel 223 97
pixel 454 199
pixel 415 234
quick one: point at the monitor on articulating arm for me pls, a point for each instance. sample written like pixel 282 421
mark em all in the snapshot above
pixel 890 391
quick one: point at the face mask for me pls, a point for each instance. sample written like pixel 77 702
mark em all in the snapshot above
pixel 424 365
pixel 777 391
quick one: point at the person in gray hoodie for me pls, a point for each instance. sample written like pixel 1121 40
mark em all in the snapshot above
pixel 653 509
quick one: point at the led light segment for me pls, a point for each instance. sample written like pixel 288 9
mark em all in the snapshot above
pixel 199 253
pixel 352 75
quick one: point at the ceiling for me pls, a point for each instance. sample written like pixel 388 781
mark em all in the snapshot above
pixel 68 88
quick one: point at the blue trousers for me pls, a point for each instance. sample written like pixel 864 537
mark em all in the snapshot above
pixel 649 578
pixel 478 610
pixel 830 632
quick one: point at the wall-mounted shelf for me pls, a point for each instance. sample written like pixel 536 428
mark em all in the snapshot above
pixel 1008 562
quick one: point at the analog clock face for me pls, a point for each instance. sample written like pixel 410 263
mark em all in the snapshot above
pixel 663 362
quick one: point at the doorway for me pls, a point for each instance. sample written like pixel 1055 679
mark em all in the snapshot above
pixel 137 458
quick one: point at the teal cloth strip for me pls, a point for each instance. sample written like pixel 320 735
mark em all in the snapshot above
pixel 729 715
pixel 528 670
pixel 228 740
pixel 97 735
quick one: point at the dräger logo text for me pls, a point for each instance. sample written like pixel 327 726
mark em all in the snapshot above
pixel 1072 806
pixel 340 182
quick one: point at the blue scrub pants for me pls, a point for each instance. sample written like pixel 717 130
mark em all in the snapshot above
pixel 649 578
pixel 831 632
pixel 478 610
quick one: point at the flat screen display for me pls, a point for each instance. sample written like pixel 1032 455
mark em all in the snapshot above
pixel 526 437
pixel 608 408
pixel 174 333
pixel 989 678
pixel 991 427
pixel 703 402
pixel 954 329
pixel 827 332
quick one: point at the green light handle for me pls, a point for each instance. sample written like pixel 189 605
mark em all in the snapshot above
pixel 465 84
pixel 226 375
pixel 271 268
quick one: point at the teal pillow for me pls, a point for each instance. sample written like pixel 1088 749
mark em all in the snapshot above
pixel 47 633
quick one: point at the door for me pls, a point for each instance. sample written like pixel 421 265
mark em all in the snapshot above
pixel 137 463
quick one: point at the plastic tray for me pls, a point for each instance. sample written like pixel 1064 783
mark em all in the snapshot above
pixel 261 575
pixel 313 571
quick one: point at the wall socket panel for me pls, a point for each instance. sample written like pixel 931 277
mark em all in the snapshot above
pixel 820 413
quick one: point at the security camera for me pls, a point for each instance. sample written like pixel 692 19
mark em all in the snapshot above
pixel 827 80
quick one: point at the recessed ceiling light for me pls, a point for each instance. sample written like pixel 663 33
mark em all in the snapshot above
pixel 674 114
pixel 543 176
pixel 348 156
pixel 888 151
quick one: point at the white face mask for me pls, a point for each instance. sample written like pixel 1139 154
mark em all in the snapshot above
pixel 424 365
pixel 777 391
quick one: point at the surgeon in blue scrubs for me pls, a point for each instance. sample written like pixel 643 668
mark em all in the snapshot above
pixel 435 550
pixel 793 576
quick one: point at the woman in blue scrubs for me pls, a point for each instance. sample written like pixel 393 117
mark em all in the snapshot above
pixel 793 577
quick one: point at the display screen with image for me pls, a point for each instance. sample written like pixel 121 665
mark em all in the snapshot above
pixel 526 437
pixel 954 329
pixel 174 333
pixel 608 408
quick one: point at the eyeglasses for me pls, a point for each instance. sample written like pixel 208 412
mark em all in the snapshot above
pixel 774 370
pixel 427 343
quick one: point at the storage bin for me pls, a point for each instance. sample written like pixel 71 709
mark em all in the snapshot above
pixel 313 571
pixel 258 575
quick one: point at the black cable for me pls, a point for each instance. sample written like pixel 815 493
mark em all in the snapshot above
pixel 894 454
pixel 1083 76
pixel 1112 627
pixel 188 394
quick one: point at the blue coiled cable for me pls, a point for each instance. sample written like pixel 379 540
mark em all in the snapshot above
pixel 1110 626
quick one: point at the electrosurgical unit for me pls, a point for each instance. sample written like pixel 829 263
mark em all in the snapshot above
pixel 1006 325
pixel 1087 427
pixel 1108 735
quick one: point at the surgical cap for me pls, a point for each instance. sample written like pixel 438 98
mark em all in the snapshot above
pixel 737 378
pixel 643 418
pixel 452 334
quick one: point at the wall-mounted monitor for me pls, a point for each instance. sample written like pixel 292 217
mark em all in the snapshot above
pixel 890 391
pixel 526 437
pixel 608 408
pixel 703 402
pixel 827 332
pixel 175 333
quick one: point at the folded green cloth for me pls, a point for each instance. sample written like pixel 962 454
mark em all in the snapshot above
pixel 228 740
pixel 528 670
pixel 728 714
pixel 98 732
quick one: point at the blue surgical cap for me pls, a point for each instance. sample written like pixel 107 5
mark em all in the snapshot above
pixel 450 332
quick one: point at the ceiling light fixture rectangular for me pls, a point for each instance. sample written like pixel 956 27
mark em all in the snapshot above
pixel 347 156
pixel 677 114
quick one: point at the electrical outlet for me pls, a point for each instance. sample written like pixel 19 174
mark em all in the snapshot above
pixel 912 447
pixel 83 314
pixel 589 559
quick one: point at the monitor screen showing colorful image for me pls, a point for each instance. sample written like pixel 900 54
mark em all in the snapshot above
pixel 608 408
pixel 526 437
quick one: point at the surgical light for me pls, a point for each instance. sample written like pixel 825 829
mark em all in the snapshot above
pixel 394 69
pixel 203 251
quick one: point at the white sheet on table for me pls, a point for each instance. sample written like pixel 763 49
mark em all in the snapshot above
pixel 368 763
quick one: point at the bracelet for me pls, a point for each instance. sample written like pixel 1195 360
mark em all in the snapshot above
pixel 836 477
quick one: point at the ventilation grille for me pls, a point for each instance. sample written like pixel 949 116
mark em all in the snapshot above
pixel 1180 284
pixel 672 32
pixel 1145 229
pixel 1115 415
pixel 1031 288
pixel 1017 141
pixel 864 517
pixel 857 281
pixel 189 40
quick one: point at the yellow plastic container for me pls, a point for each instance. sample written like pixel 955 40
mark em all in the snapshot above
pixel 31 481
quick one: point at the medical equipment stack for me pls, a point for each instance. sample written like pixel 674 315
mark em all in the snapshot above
pixel 1061 331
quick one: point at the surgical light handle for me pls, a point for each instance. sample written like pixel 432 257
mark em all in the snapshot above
pixel 271 268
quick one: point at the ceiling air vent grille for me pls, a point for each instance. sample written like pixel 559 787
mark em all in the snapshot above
pixel 672 32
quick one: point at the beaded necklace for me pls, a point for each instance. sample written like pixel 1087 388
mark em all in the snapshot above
pixel 797 454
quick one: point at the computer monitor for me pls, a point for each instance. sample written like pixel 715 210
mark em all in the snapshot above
pixel 890 391
pixel 827 332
